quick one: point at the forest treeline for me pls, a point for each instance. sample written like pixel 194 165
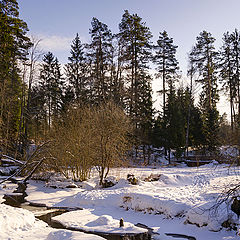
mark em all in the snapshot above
pixel 37 93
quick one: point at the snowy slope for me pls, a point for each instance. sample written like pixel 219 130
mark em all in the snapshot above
pixel 180 196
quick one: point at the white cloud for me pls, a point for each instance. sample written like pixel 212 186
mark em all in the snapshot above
pixel 55 43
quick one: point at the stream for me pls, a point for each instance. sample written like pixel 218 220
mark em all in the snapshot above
pixel 44 213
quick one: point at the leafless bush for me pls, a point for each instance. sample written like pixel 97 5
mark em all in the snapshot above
pixel 87 137
pixel 111 142
pixel 72 143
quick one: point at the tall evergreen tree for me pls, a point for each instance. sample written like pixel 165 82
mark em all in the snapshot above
pixel 235 37
pixel 76 71
pixel 134 39
pixel 51 85
pixel 167 64
pixel 13 47
pixel 100 57
pixel 203 58
pixel 170 130
pixel 135 53
pixel 227 74
pixel 144 114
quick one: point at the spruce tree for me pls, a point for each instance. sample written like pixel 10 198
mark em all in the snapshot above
pixel 76 71
pixel 51 85
pixel 170 130
pixel 144 114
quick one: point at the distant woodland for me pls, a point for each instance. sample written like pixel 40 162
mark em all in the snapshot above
pixel 99 104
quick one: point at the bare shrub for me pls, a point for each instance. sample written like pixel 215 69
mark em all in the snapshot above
pixel 71 144
pixel 112 128
pixel 87 137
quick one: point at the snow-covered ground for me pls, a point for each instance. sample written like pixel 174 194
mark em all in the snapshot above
pixel 182 195
pixel 17 223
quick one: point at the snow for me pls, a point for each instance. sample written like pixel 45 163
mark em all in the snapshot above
pixel 177 193
pixel 87 221
pixel 17 223
pixel 182 195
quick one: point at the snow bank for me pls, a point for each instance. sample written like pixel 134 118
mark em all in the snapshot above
pixel 87 221
pixel 15 218
pixel 17 223
pixel 98 197
pixel 154 204
pixel 213 218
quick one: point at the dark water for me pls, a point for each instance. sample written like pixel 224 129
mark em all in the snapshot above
pixel 45 214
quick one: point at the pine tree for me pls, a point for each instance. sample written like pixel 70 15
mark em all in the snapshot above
pixel 76 71
pixel 134 39
pixel 13 47
pixel 235 38
pixel 203 58
pixel 167 64
pixel 227 73
pixel 99 57
pixel 135 53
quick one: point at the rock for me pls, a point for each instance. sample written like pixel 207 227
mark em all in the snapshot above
pixel 229 225
pixel 235 207
pixel 21 188
pixel 14 199
pixel 132 179
pixel 109 182
pixel 150 230
pixel 152 178
pixel 61 184
pixel 105 226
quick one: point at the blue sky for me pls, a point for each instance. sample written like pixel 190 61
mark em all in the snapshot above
pixel 56 22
